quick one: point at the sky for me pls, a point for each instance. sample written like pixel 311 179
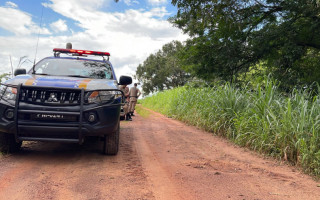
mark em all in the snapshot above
pixel 129 30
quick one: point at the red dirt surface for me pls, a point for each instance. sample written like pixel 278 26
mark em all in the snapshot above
pixel 159 158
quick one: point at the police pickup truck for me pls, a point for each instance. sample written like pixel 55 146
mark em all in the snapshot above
pixel 64 98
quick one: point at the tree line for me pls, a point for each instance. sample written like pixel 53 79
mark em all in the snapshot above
pixel 239 41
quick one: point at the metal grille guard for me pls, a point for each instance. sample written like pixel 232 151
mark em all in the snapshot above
pixel 118 100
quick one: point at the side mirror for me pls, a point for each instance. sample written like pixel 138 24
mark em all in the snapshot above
pixel 19 71
pixel 125 80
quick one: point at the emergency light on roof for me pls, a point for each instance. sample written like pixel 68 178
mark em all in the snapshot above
pixel 81 52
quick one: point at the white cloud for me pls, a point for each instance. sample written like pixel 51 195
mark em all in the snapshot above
pixel 11 4
pixel 59 26
pixel 21 24
pixel 159 12
pixel 138 24
pixel 16 47
pixel 73 6
pixel 157 2
pixel 130 2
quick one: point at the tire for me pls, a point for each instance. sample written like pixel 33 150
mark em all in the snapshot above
pixel 8 143
pixel 111 143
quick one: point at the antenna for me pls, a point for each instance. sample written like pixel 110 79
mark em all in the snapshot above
pixel 35 56
pixel 11 67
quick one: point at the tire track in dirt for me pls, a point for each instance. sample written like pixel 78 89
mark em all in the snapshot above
pixel 163 185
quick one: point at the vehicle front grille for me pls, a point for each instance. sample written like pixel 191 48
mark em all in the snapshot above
pixel 50 96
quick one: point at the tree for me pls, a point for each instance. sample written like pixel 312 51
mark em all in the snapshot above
pixel 162 70
pixel 230 36
pixel 4 77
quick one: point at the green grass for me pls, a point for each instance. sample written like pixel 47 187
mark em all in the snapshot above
pixel 285 127
pixel 142 111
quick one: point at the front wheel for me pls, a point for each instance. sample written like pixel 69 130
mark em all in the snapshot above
pixel 111 143
pixel 8 143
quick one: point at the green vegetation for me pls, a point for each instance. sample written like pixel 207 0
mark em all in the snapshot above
pixel 162 70
pixel 229 37
pixel 142 111
pixel 285 127
pixel 239 41
pixel 4 75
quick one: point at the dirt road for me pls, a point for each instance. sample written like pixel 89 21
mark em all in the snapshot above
pixel 159 158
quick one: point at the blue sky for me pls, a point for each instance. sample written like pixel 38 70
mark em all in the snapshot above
pixel 130 30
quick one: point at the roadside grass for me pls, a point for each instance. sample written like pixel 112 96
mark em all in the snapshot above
pixel 285 127
pixel 142 112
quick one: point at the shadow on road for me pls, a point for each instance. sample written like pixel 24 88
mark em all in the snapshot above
pixel 51 150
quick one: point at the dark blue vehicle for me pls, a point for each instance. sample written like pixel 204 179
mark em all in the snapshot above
pixel 63 99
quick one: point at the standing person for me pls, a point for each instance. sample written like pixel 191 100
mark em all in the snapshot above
pixel 125 90
pixel 134 95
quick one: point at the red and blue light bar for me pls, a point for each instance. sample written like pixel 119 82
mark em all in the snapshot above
pixel 81 52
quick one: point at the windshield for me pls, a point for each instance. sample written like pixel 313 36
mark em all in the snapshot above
pixel 73 67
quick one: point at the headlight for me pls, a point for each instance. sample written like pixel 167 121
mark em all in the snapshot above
pixel 8 93
pixel 101 96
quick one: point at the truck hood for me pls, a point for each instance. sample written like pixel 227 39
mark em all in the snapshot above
pixel 63 82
